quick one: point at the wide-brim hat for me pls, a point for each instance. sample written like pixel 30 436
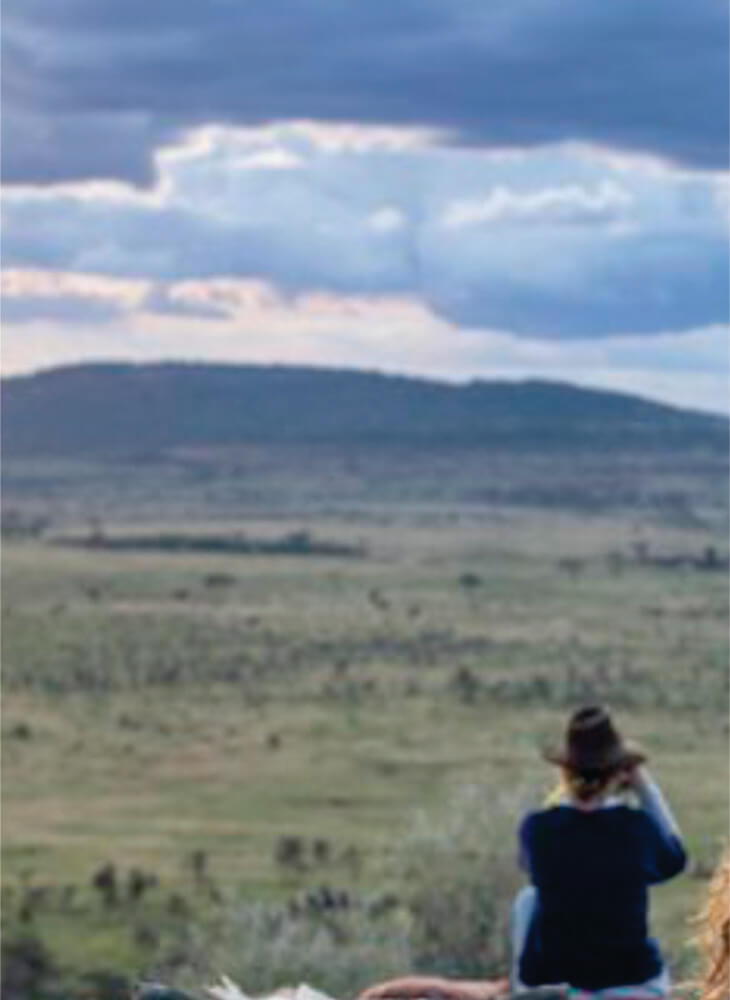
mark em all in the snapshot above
pixel 592 743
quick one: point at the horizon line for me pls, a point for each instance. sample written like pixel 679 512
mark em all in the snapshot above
pixel 384 372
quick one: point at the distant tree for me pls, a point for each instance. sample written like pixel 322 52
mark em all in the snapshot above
pixel 104 880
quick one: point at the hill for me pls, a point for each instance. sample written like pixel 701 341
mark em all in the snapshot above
pixel 107 409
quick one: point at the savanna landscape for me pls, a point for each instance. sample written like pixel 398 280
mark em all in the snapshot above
pixel 273 707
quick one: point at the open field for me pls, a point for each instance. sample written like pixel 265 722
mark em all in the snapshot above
pixel 257 724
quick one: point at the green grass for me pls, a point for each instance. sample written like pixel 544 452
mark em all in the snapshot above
pixel 322 699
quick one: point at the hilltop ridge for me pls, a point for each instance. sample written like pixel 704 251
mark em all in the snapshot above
pixel 120 408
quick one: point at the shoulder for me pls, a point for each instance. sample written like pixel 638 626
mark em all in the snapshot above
pixel 642 823
pixel 625 815
pixel 627 820
pixel 664 847
pixel 542 819
pixel 533 817
pixel 526 827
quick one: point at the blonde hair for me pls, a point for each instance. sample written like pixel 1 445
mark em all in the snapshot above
pixel 714 936
pixel 580 786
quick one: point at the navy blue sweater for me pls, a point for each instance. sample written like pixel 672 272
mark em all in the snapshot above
pixel 591 870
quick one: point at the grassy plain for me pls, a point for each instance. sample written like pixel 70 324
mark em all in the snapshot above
pixel 163 706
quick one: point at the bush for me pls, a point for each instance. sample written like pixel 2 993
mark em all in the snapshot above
pixel 27 968
pixel 449 897
pixel 458 877
pixel 263 948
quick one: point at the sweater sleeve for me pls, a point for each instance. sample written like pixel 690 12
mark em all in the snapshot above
pixel 664 853
pixel 653 802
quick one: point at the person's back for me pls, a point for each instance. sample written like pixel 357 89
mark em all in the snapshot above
pixel 591 870
pixel 583 921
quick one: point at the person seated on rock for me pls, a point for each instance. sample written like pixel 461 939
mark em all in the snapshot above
pixel 582 923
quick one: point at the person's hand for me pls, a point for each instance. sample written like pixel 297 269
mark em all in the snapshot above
pixel 405 988
pixel 634 777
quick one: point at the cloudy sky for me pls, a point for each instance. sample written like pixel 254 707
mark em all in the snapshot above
pixel 454 188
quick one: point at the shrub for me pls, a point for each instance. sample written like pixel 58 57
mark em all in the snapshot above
pixel 219 580
pixel 458 877
pixel 465 684
pixel 263 948
pixel 445 910
pixel 27 968
pixel 105 882
pixel 289 852
pixel 20 731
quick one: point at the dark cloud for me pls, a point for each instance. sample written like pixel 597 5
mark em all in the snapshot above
pixel 92 87
pixel 639 287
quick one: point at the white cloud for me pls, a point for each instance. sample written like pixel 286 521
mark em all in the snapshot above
pixel 230 297
pixel 33 284
pixel 269 159
pixel 569 204
pixel 386 219
pixel 586 247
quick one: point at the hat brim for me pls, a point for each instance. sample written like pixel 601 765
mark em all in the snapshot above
pixel 630 754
